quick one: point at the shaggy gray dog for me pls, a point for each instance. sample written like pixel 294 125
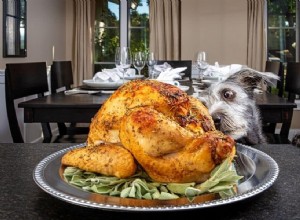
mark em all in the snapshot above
pixel 230 103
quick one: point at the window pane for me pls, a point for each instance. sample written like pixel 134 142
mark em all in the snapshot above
pixel 282 30
pixel 139 25
pixel 22 8
pixel 107 31
pixel 10 35
pixel 281 44
pixel 11 7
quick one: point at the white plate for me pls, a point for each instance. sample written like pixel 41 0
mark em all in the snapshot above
pixel 209 82
pixel 259 170
pixel 101 85
pixel 108 91
pixel 134 77
pixel 213 78
pixel 184 88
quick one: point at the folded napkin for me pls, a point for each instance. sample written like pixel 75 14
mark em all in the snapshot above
pixel 166 72
pixel 163 67
pixel 108 75
pixel 171 74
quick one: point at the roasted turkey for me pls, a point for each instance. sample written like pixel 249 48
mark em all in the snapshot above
pixel 169 152
pixel 158 126
pixel 187 111
pixel 107 159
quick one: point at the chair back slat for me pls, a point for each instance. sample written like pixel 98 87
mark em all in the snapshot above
pixel 292 81
pixel 61 75
pixel 26 79
pixel 276 67
pixel 22 80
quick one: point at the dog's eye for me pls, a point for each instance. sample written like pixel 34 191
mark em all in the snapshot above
pixel 228 94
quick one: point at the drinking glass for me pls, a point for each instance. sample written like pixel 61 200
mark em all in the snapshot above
pixel 123 59
pixel 151 61
pixel 139 61
pixel 202 63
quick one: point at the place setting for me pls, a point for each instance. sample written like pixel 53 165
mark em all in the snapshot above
pixel 111 79
pixel 108 79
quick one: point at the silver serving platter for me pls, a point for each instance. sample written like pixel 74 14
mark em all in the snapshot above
pixel 259 170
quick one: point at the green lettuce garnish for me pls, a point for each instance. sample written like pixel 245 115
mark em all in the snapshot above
pixel 223 179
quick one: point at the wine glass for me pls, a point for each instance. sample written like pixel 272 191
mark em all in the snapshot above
pixel 202 62
pixel 123 59
pixel 139 61
pixel 151 61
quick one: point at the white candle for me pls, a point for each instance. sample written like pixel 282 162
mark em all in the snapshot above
pixel 53 52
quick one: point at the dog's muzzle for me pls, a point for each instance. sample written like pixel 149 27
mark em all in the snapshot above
pixel 217 118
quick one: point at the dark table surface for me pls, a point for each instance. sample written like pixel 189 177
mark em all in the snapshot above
pixel 81 108
pixel 21 198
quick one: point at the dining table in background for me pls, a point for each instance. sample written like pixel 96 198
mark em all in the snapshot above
pixel 21 198
pixel 275 109
pixel 81 108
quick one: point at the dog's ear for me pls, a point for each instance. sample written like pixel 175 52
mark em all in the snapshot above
pixel 251 79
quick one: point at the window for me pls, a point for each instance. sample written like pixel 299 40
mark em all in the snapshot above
pixel 14 28
pixel 283 42
pixel 119 23
pixel 283 30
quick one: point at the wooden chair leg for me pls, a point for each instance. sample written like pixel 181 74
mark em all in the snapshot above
pixel 62 128
pixel 46 132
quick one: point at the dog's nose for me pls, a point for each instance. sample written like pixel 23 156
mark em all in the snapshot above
pixel 217 120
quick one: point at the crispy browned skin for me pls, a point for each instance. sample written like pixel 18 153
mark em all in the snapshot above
pixel 107 159
pixel 170 153
pixel 170 134
pixel 165 98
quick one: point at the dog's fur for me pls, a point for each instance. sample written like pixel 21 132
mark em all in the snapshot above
pixel 230 102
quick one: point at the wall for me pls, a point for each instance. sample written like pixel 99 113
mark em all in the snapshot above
pixel 46 28
pixel 69 28
pixel 218 27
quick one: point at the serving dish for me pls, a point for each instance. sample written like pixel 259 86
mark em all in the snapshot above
pixel 259 170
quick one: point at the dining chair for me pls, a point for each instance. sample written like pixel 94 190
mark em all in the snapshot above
pixel 277 68
pixel 23 80
pixel 292 89
pixel 179 63
pixel 292 80
pixel 61 80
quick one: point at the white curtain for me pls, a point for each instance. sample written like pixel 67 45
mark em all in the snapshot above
pixel 83 40
pixel 165 29
pixel 257 37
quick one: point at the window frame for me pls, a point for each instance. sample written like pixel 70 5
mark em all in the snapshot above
pixel 17 43
pixel 297 32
